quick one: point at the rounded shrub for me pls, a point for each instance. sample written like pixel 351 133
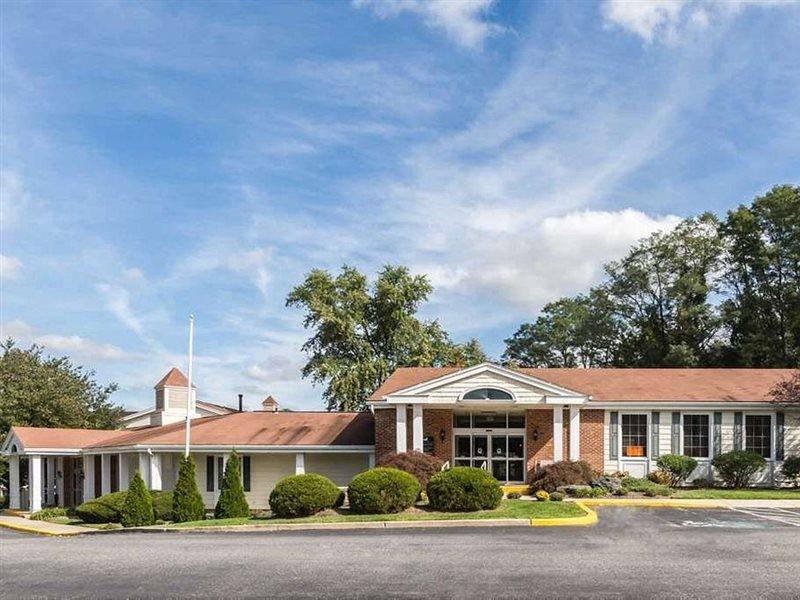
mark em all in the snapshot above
pixel 382 490
pixel 464 489
pixel 303 495
pixel 105 509
pixel 738 468
pixel 659 477
pixel 542 496
pixel 187 503
pixel 137 510
pixel 420 465
pixel 513 496
pixel 556 496
pixel 562 473
pixel 677 466
pixel 791 469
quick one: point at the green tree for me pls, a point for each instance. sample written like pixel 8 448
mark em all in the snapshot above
pixel 187 503
pixel 137 510
pixel 232 502
pixel 362 332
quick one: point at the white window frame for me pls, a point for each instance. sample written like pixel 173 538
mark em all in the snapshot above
pixel 772 432
pixel 647 455
pixel 489 432
pixel 486 400
pixel 710 416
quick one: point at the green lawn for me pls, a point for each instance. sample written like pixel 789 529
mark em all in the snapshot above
pixel 509 509
pixel 739 494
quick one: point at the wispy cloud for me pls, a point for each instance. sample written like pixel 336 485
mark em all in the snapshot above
pixel 463 21
pixel 76 346
pixel 10 267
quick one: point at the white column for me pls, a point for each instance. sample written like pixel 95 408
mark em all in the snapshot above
pixel 574 433
pixel 558 433
pixel 400 428
pixel 13 481
pixel 371 461
pixel 35 482
pixel 105 474
pixel 144 468
pixel 155 472
pixel 124 474
pixel 88 477
pixel 416 427
pixel 299 463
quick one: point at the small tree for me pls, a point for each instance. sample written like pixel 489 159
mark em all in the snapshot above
pixel 737 468
pixel 786 392
pixel 677 466
pixel 138 507
pixel 187 503
pixel 232 502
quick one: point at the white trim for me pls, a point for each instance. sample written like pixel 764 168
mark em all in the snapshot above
pixel 400 418
pixel 282 449
pixel 574 433
pixel 663 405
pixel 416 428
pixel 710 416
pixel 487 387
pixel 772 428
pixel 558 433
pixel 648 436
pixel 299 463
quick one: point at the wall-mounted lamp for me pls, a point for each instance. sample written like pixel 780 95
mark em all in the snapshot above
pixel 535 434
pixel 441 434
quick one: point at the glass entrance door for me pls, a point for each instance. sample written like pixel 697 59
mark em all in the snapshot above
pixel 501 454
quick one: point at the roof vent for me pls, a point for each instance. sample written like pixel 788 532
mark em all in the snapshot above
pixel 270 404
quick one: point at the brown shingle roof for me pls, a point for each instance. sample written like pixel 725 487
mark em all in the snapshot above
pixel 175 378
pixel 55 437
pixel 261 429
pixel 630 385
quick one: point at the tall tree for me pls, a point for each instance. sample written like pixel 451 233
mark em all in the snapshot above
pixel 362 332
pixel 45 391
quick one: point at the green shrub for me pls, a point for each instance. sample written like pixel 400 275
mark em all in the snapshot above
pixel 737 468
pixel 590 492
pixel 162 505
pixel 187 503
pixel 48 513
pixel 542 496
pixel 621 491
pixel 137 510
pixel 556 497
pixel 105 509
pixel 464 489
pixel 232 502
pixel 3 501
pixel 382 490
pixel 420 465
pixel 513 495
pixel 562 473
pixel 644 486
pixel 791 469
pixel 303 495
pixel 677 466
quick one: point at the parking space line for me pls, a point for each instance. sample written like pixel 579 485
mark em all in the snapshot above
pixel 794 522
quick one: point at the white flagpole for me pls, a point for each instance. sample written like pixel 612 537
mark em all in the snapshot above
pixel 189 385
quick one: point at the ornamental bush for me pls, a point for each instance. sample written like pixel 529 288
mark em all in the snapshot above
pixel 791 469
pixel 542 496
pixel 556 497
pixel 677 466
pixel 382 490
pixel 137 510
pixel 513 495
pixel 187 503
pixel 464 489
pixel 420 465
pixel 564 472
pixel 108 508
pixel 232 502
pixel 303 495
pixel 659 477
pixel 738 468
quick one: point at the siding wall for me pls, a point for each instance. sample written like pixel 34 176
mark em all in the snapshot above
pixel 454 390
pixel 339 468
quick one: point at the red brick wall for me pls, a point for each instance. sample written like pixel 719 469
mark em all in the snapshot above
pixel 385 436
pixel 541 448
pixel 592 437
pixel 434 421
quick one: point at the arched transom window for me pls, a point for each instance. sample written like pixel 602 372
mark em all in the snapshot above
pixel 487 393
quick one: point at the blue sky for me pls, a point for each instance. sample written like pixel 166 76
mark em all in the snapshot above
pixel 162 158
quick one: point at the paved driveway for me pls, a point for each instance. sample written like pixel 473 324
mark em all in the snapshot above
pixel 631 553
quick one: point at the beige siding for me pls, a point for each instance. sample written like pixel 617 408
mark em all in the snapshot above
pixel 609 465
pixel 791 439
pixel 176 398
pixel 453 391
pixel 339 468
pixel 727 430
pixel 664 433
pixel 265 471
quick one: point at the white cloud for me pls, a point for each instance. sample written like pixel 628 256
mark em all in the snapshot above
pixel 667 20
pixel 10 266
pixel 75 346
pixel 14 199
pixel 462 21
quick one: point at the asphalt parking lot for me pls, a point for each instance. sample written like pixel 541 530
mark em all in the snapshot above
pixel 631 553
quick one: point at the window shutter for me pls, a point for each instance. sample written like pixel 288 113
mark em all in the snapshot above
pixel 613 436
pixel 209 473
pixel 675 447
pixel 738 417
pixel 655 421
pixel 779 434
pixel 246 473
pixel 717 434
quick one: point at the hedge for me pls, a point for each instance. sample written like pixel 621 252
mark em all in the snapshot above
pixel 303 495
pixel 738 468
pixel 108 508
pixel 464 489
pixel 382 490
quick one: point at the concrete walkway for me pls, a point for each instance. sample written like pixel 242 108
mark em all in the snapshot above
pixel 40 527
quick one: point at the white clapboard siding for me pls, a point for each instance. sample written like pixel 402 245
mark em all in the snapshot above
pixel 339 468
pixel 454 390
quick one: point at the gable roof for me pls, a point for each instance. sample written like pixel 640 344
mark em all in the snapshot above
pixel 628 385
pixel 174 378
pixel 259 429
pixel 63 438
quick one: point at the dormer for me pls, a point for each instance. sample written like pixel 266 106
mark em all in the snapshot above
pixel 171 398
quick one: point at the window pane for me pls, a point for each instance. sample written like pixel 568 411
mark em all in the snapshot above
pixel 480 445
pixel 461 420
pixel 516 470
pixel 516 420
pixel 695 435
pixel 499 470
pixel 498 446
pixel 462 446
pixel 481 464
pixel 634 435
pixel 462 463
pixel 489 420
pixel 758 435
pixel 516 446
pixel 487 394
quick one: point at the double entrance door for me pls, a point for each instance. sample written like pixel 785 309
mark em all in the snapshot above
pixel 502 454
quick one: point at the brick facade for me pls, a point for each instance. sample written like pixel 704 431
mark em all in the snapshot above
pixel 385 436
pixel 434 422
pixel 592 438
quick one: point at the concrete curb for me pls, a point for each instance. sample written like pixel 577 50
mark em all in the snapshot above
pixel 350 526
pixel 589 518
pixel 654 503
pixel 38 531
